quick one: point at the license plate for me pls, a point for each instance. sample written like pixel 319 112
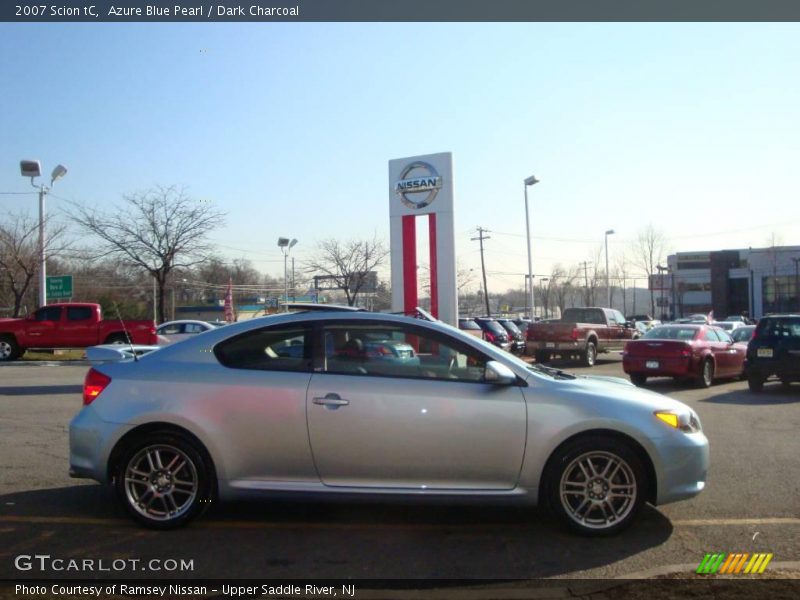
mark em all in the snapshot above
pixel 651 364
pixel 764 352
pixel 549 345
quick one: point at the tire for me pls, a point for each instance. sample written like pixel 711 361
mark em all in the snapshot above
pixel 706 377
pixel 755 382
pixel 117 338
pixel 160 497
pixel 786 383
pixel 542 357
pixel 589 356
pixel 583 504
pixel 9 349
pixel 638 379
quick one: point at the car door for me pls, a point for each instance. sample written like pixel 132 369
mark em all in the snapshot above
pixel 401 406
pixel 169 333
pixel 79 328
pixel 719 350
pixel 45 329
pixel 734 354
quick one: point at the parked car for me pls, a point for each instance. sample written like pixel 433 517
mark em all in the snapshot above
pixel 494 333
pixel 227 414
pixel 648 321
pixel 115 352
pixel 729 326
pixel 701 353
pixel 516 336
pixel 743 334
pixel 581 333
pixel 471 327
pixel 774 350
pixel 175 331
pixel 523 324
pixel 70 325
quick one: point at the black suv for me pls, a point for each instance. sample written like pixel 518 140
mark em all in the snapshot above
pixel 774 350
pixel 516 335
pixel 494 332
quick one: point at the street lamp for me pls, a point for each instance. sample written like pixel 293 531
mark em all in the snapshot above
pixel 608 287
pixel 545 295
pixel 528 182
pixel 33 169
pixel 661 270
pixel 285 245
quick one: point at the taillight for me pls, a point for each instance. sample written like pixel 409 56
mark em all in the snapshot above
pixel 686 352
pixel 575 333
pixel 93 385
pixel 489 336
pixel 626 349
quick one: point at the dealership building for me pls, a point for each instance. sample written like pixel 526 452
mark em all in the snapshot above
pixel 730 282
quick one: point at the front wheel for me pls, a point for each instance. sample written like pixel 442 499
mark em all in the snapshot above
pixel 755 382
pixel 542 357
pixel 164 481
pixel 596 486
pixel 9 349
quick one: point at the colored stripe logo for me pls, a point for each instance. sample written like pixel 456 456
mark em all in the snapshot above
pixel 742 563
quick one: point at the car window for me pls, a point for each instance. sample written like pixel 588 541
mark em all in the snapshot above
pixel 710 335
pixel 618 316
pixel 49 313
pixel 493 326
pixel 267 349
pixel 468 325
pixel 724 336
pixel 79 313
pixel 193 328
pixel 399 350
pixel 170 329
pixel 778 328
pixel 671 333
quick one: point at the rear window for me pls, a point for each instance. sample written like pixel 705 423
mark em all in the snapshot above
pixel 468 324
pixel 494 327
pixel 270 349
pixel 585 315
pixel 784 327
pixel 511 326
pixel 78 313
pixel 671 333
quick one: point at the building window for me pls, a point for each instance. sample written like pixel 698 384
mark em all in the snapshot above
pixel 779 294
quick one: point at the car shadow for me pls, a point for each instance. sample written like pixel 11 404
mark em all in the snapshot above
pixel 342 539
pixel 772 394
pixel 39 390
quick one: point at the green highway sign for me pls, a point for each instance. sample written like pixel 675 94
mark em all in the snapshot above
pixel 59 287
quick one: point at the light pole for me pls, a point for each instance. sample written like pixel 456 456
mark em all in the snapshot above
pixel 608 287
pixel 285 245
pixel 545 295
pixel 32 169
pixel 529 182
pixel 661 270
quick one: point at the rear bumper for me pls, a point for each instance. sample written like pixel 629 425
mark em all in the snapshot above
pixel 667 367
pixel 90 443
pixel 555 347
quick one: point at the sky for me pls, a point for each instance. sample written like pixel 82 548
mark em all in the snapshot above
pixel 288 128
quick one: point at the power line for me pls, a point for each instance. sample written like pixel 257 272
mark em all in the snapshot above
pixel 480 238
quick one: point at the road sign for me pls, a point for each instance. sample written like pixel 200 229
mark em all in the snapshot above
pixel 59 288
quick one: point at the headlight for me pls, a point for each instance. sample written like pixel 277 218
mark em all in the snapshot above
pixel 685 421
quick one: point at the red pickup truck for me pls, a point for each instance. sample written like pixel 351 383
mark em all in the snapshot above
pixel 69 325
pixel 581 333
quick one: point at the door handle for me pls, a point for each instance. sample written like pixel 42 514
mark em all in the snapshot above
pixel 331 400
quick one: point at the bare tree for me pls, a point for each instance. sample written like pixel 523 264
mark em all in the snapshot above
pixel 563 285
pixel 647 253
pixel 19 255
pixel 348 263
pixel 158 230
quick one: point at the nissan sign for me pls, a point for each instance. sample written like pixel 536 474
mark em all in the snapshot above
pixel 419 191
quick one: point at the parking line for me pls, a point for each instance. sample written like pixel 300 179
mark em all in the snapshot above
pixel 371 525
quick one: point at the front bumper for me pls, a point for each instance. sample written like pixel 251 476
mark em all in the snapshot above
pixel 90 443
pixel 683 461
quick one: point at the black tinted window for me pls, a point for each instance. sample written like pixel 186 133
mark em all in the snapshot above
pixel 79 313
pixel 269 349
pixel 786 327
pixel 49 313
pixel 671 333
pixel 468 324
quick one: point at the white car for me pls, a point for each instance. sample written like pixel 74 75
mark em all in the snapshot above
pixel 729 325
pixel 175 331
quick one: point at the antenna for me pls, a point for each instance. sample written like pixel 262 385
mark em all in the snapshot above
pixel 125 331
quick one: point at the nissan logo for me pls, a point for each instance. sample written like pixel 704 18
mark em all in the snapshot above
pixel 419 191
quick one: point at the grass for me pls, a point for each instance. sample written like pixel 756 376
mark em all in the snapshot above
pixel 56 354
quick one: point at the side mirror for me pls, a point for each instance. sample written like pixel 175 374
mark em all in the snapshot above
pixel 499 374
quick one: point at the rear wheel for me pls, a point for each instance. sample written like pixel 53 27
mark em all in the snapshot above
pixel 755 381
pixel 164 480
pixel 9 349
pixel 786 383
pixel 542 357
pixel 117 338
pixel 589 356
pixel 638 379
pixel 706 374
pixel 596 486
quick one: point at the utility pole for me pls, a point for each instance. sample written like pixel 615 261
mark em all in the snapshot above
pixel 480 238
pixel 585 266
pixel 796 261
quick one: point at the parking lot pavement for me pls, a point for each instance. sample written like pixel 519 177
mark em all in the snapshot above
pixel 751 504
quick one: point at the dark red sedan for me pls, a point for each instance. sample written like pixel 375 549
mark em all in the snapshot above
pixel 701 353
